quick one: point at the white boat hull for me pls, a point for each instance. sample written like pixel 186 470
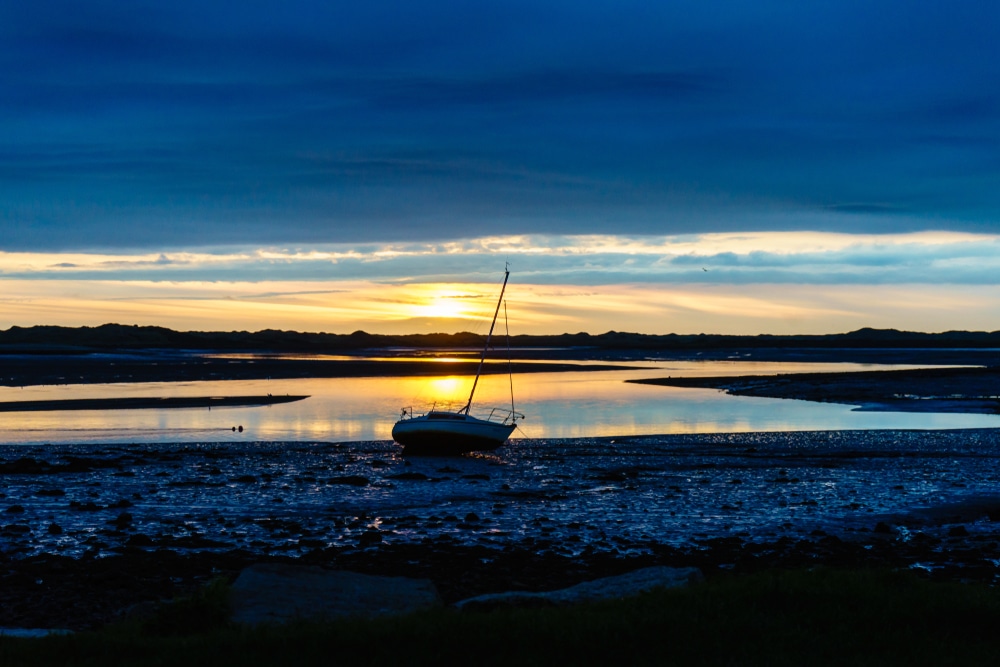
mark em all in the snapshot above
pixel 449 433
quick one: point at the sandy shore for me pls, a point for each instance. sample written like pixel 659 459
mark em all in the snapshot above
pixel 60 592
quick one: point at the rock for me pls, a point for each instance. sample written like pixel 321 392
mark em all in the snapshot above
pixel 15 529
pixel 140 540
pixel 276 593
pixel 415 476
pixel 85 507
pixel 33 633
pixel 621 586
pixel 350 480
pixel 25 466
pixel 369 537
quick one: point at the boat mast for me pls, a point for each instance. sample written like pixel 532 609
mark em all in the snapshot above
pixel 482 359
pixel 510 365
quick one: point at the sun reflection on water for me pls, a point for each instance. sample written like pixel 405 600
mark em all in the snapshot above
pixel 447 388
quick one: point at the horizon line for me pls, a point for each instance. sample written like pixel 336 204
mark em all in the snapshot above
pixel 360 332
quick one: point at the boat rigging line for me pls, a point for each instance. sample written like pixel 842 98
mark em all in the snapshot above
pixel 489 336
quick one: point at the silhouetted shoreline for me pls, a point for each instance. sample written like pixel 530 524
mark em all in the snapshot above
pixel 132 337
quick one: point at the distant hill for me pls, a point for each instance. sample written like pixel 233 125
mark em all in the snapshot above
pixel 126 337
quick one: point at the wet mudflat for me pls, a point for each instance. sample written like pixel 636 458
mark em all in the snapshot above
pixel 88 530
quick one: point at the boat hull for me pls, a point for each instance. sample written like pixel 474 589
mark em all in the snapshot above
pixel 449 434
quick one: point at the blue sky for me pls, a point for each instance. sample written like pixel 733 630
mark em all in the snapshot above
pixel 426 142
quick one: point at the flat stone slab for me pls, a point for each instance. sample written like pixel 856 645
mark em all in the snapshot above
pixel 32 633
pixel 608 588
pixel 278 593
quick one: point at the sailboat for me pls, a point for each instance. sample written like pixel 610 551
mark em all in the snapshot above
pixel 446 433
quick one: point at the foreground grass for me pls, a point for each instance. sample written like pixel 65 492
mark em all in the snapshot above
pixel 779 618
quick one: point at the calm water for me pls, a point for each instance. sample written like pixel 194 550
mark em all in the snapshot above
pixel 557 405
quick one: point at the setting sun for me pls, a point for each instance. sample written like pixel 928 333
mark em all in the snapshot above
pixel 445 306
pixel 446 303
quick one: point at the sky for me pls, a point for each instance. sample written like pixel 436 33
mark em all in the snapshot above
pixel 721 167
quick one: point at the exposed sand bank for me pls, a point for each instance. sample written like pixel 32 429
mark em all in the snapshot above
pixel 142 403
pixel 974 390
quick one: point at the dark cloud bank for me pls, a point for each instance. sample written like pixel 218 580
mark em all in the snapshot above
pixel 172 125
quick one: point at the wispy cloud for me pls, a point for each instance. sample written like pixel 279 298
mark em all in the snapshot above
pixel 532 308
pixel 749 282
pixel 181 126
pixel 793 257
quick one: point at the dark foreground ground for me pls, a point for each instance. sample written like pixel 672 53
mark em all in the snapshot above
pixel 84 593
pixel 813 617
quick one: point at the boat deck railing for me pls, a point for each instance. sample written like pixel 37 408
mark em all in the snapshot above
pixel 409 413
pixel 504 416
pixel 499 415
